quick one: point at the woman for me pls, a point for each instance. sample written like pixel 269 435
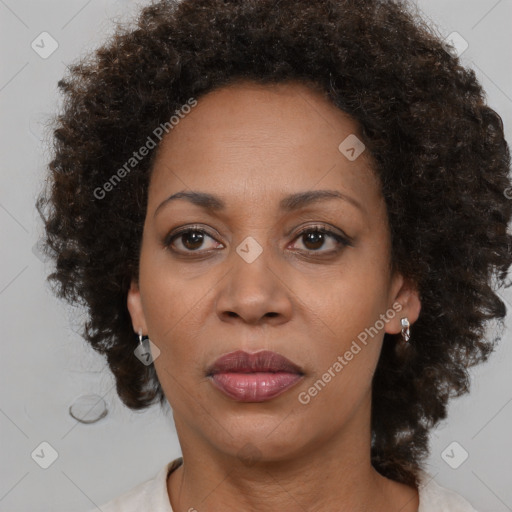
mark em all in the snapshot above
pixel 284 219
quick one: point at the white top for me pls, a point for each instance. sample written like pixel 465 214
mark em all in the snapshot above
pixel 152 496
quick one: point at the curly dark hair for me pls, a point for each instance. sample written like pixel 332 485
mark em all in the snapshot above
pixel 439 151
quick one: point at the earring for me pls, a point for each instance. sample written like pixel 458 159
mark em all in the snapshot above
pixel 406 333
pixel 146 350
pixel 140 338
pixel 143 352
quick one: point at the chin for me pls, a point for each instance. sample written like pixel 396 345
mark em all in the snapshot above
pixel 263 441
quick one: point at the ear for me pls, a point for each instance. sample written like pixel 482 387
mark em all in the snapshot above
pixel 405 294
pixel 134 304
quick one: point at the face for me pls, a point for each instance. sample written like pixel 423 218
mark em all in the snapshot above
pixel 252 270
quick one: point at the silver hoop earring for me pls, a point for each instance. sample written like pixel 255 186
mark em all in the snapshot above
pixel 406 333
pixel 140 338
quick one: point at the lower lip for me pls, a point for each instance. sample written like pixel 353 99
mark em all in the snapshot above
pixel 254 387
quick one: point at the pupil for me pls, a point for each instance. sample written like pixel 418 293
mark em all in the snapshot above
pixel 196 237
pixel 315 238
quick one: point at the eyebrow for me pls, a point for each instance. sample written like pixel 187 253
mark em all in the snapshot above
pixel 287 204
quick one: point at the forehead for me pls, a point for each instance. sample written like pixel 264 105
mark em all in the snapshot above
pixel 255 142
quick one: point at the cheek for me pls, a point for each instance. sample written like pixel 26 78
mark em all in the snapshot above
pixel 169 296
pixel 344 320
pixel 347 302
pixel 343 361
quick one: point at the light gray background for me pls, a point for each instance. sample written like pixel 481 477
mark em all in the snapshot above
pixel 45 365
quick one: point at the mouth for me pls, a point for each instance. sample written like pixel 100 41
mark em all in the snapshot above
pixel 256 377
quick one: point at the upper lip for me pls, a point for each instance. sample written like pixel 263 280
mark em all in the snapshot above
pixel 244 362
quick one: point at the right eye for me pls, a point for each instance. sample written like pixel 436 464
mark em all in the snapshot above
pixel 190 238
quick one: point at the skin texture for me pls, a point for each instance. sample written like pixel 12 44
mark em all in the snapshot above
pixel 438 148
pixel 253 145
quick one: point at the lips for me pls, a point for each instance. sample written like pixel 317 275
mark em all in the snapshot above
pixel 253 377
pixel 263 361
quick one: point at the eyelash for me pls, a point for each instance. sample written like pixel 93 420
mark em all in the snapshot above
pixel 341 240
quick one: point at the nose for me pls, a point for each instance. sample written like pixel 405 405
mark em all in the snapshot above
pixel 254 291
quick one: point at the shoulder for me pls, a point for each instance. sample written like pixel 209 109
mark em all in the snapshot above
pixel 148 495
pixel 434 498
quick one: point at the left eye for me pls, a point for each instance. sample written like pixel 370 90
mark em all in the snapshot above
pixel 315 237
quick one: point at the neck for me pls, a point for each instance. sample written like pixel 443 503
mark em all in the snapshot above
pixel 329 474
